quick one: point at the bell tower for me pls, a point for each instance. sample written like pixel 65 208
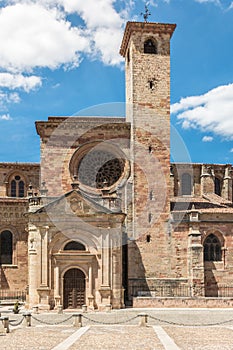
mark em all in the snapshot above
pixel 146 49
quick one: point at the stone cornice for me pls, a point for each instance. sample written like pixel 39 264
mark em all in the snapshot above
pixel 19 166
pixel 142 27
pixel 47 128
pixel 13 201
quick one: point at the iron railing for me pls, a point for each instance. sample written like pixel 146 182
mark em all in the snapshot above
pixel 225 291
pixel 7 294
pixel 177 290
pixel 219 291
pixel 159 291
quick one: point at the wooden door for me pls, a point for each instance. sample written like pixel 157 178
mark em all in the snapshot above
pixel 74 289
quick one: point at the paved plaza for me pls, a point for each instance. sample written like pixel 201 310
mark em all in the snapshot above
pixel 166 329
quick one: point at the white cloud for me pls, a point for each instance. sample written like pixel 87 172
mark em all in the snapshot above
pixel 38 37
pixel 107 52
pixel 217 2
pixel 212 112
pixel 5 117
pixel 104 26
pixel 16 81
pixel 96 14
pixel 6 98
pixel 207 138
pixel 39 34
pixel 231 150
pixel 56 86
pixel 154 3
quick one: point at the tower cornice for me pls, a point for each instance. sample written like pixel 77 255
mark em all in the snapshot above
pixel 144 27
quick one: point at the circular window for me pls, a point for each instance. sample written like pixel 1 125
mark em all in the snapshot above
pixel 100 169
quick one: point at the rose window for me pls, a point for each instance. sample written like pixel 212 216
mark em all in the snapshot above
pixel 100 169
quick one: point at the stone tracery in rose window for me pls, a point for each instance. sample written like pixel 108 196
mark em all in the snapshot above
pixel 100 169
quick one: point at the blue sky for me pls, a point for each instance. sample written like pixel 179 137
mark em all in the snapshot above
pixel 58 57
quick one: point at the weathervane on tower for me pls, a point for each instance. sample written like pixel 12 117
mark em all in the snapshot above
pixel 146 14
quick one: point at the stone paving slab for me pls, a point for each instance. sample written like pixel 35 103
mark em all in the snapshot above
pixel 127 335
pixel 118 338
pixel 35 338
pixel 201 338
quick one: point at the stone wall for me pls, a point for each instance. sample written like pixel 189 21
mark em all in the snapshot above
pixel 203 179
pixel 29 174
pixel 62 137
pixel 143 302
pixel 12 218
pixel 148 111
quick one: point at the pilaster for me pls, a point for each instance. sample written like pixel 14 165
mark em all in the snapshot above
pixel 44 288
pixel 33 264
pixel 105 288
pixel 195 256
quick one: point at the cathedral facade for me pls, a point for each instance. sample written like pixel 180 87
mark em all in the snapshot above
pixel 105 220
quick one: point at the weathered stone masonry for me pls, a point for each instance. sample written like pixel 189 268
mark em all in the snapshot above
pixel 105 220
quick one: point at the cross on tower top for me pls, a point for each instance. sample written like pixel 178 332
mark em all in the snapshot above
pixel 146 14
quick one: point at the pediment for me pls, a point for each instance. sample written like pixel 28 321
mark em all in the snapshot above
pixel 74 203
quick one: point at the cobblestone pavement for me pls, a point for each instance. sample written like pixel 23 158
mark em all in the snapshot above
pixel 188 329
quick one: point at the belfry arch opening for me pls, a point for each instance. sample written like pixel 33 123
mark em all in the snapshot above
pixel 150 47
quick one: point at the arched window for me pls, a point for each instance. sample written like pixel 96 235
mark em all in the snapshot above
pixel 212 249
pixel 21 188
pixel 217 186
pixel 73 245
pixel 13 188
pixel 186 184
pixel 17 187
pixel 100 169
pixel 6 248
pixel 150 47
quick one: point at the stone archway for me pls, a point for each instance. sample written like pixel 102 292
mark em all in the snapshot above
pixel 74 289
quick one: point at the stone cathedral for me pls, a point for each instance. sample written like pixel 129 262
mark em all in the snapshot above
pixel 105 220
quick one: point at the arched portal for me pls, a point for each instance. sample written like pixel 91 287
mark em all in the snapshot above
pixel 74 289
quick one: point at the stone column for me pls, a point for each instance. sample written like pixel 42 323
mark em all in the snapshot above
pixel 90 296
pixel 90 279
pixel 116 257
pixel 105 260
pixel 33 265
pixel 44 289
pixel 227 184
pixel 105 289
pixel 57 295
pixel 117 290
pixel 44 257
pixel 56 281
pixel 195 256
